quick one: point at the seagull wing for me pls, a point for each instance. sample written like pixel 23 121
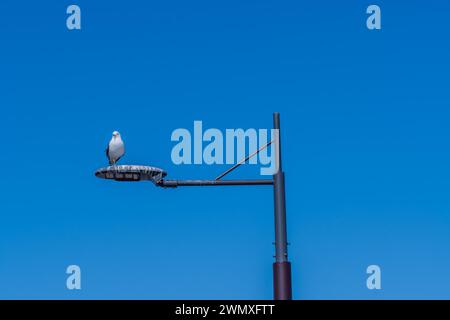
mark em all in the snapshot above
pixel 119 157
pixel 107 153
pixel 123 151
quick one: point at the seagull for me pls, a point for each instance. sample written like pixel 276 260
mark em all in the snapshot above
pixel 115 149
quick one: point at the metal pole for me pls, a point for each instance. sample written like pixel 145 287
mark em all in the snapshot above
pixel 282 267
pixel 200 183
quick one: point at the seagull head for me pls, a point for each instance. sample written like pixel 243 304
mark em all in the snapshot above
pixel 116 134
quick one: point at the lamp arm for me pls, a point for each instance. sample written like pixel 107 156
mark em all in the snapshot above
pixel 204 183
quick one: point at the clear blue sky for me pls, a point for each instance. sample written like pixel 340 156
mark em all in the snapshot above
pixel 366 147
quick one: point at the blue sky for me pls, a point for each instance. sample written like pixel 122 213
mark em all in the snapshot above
pixel 365 136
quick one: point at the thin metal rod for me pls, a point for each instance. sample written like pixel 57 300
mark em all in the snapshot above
pixel 203 183
pixel 244 160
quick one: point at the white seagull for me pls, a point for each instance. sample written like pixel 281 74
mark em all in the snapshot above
pixel 115 149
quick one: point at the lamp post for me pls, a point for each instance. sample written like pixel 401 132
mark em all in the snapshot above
pixel 282 289
pixel 282 267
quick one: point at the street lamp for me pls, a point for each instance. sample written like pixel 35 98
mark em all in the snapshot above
pixel 282 289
